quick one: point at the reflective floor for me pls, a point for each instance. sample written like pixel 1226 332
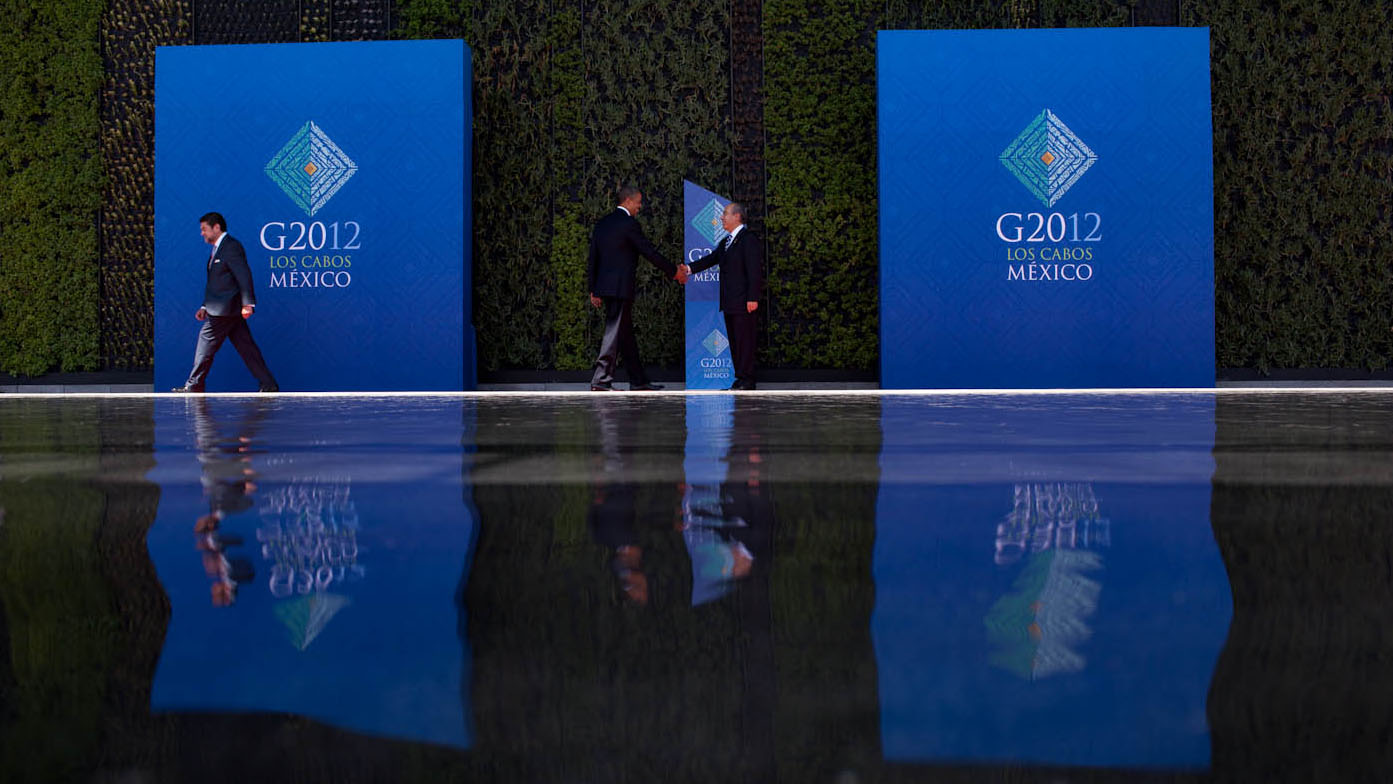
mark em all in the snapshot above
pixel 704 588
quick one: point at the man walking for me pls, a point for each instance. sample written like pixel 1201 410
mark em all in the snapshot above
pixel 615 246
pixel 228 301
pixel 742 284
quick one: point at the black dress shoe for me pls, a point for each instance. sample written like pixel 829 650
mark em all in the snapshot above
pixel 644 387
pixel 187 390
pixel 601 388
pixel 742 385
pixel 271 388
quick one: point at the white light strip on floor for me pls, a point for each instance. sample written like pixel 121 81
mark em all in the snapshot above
pixel 1314 390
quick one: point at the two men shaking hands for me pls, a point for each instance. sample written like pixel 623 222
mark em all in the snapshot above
pixel 615 245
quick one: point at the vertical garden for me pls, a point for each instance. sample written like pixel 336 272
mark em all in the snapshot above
pixel 771 101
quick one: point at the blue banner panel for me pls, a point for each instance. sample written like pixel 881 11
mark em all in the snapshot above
pixel 344 170
pixel 331 588
pixel 1042 599
pixel 1046 209
pixel 708 348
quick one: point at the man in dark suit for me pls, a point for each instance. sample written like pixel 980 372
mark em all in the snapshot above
pixel 742 284
pixel 228 301
pixel 615 246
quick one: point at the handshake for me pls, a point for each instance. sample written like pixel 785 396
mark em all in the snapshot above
pixel 684 274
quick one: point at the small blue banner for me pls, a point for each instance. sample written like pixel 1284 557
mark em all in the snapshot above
pixel 708 347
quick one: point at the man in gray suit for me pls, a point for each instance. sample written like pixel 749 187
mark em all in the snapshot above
pixel 228 301
pixel 615 245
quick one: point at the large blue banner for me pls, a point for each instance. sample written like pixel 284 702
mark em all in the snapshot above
pixel 344 170
pixel 1046 203
pixel 708 348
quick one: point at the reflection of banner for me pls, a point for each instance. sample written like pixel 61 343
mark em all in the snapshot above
pixel 309 542
pixel 708 348
pixel 1046 202
pixel 343 169
pixel 1038 625
pixel 705 524
pixel 348 611
pixel 1049 631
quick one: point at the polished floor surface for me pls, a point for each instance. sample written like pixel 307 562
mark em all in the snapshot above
pixel 704 588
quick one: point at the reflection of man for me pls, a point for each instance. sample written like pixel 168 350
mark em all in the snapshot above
pixel 227 572
pixel 227 478
pixel 742 284
pixel 227 473
pixel 615 246
pixel 613 511
pixel 228 301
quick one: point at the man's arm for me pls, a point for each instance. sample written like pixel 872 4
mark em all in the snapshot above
pixel 592 266
pixel 646 249
pixel 708 261
pixel 236 260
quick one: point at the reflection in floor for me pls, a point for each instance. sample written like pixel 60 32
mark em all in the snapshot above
pixel 697 588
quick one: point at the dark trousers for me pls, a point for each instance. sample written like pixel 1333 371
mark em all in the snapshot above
pixel 742 329
pixel 618 343
pixel 215 330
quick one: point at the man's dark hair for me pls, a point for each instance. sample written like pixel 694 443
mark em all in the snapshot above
pixel 627 192
pixel 214 219
pixel 736 208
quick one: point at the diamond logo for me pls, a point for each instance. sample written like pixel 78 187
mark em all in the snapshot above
pixel 715 342
pixel 1048 158
pixel 310 168
pixel 708 222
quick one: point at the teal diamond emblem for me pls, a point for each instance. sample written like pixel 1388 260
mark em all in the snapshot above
pixel 715 343
pixel 708 222
pixel 1048 158
pixel 310 168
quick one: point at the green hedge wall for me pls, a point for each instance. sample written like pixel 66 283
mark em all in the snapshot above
pixel 50 185
pixel 1303 156
pixel 1301 149
pixel 574 98
pixel 819 115
pixel 130 31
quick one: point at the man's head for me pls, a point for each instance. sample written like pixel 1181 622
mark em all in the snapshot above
pixel 212 226
pixel 631 199
pixel 733 216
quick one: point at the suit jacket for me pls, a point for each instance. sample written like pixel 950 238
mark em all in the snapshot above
pixel 615 245
pixel 229 280
pixel 742 270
